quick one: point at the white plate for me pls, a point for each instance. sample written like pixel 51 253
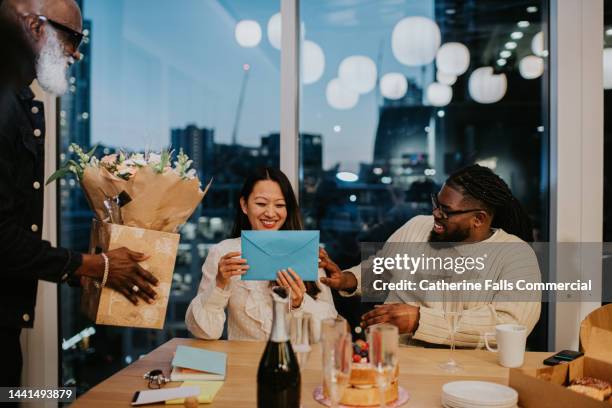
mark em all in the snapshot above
pixel 455 404
pixel 479 393
pixel 446 404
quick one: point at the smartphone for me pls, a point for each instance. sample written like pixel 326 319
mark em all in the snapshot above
pixel 164 394
pixel 563 357
pixel 552 361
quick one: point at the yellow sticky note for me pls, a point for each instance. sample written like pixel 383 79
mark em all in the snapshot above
pixel 208 390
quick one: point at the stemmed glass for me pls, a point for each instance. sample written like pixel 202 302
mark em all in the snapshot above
pixel 383 346
pixel 452 304
pixel 337 357
pixel 301 336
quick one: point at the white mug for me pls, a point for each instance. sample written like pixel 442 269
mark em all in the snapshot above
pixel 511 340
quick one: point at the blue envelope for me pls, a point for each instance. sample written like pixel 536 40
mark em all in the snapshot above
pixel 267 252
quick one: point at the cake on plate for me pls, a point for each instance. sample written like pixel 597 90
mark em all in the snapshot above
pixel 362 389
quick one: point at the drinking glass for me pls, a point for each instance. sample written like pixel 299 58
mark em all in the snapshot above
pixel 383 346
pixel 337 347
pixel 301 336
pixel 452 304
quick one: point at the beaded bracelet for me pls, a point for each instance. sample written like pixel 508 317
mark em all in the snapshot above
pixel 106 269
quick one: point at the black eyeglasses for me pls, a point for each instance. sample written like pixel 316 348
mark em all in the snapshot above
pixel 447 214
pixel 74 36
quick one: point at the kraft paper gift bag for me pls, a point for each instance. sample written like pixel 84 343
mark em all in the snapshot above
pixel 108 307
pixel 147 197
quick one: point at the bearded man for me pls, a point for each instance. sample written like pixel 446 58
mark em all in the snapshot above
pixel 476 208
pixel 52 31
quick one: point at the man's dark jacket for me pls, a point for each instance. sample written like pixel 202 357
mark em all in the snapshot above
pixel 24 256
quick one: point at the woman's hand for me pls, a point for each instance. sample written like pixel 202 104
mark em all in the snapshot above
pixel 230 265
pixel 289 279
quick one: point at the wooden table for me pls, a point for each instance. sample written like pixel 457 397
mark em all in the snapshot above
pixel 419 374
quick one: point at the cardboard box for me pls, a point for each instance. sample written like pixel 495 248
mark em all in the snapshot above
pixel 547 387
pixel 109 307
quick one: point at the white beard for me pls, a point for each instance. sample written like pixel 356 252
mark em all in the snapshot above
pixel 52 66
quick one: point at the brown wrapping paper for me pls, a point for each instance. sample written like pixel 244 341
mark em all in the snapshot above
pixel 596 333
pixel 106 306
pixel 160 202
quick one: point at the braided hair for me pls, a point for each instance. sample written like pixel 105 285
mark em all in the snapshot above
pixel 487 187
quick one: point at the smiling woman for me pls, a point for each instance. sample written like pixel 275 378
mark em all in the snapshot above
pixel 267 203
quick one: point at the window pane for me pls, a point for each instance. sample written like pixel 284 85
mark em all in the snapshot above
pixel 390 124
pixel 160 74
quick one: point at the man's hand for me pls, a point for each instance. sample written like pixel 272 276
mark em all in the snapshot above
pixel 124 273
pixel 405 317
pixel 336 278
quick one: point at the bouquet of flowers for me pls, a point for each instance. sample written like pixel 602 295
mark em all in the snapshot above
pixel 158 193
pixel 140 201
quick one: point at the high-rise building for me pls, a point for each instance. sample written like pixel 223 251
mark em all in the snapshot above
pixel 311 152
pixel 401 144
pixel 74 127
pixel 75 214
pixel 75 105
pixel 198 144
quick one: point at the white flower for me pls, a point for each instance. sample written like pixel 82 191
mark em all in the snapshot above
pixel 154 158
pixel 138 160
pixel 191 174
pixel 126 171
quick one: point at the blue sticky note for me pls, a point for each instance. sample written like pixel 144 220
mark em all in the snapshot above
pixel 200 359
pixel 267 252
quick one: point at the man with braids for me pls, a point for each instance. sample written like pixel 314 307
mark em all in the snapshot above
pixel 474 206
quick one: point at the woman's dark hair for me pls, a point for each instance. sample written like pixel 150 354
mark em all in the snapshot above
pixel 294 218
pixel 487 187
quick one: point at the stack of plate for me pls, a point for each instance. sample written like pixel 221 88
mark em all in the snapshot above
pixel 478 394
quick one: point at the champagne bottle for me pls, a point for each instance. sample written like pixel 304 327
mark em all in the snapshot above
pixel 278 376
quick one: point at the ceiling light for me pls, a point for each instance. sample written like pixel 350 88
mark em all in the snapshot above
pixel 517 35
pixel 501 62
pixel 510 45
pixel 505 54
pixel 523 24
pixel 532 9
